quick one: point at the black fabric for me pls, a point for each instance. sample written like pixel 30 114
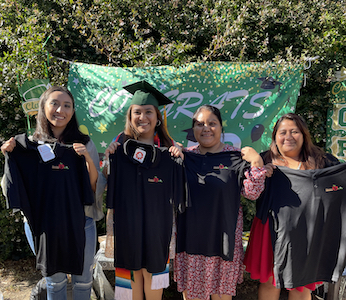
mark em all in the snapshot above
pixel 53 200
pixel 264 202
pixel 215 182
pixel 143 196
pixel 307 213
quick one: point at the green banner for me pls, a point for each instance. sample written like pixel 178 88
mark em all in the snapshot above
pixel 250 102
pixel 338 91
pixel 30 92
pixel 336 120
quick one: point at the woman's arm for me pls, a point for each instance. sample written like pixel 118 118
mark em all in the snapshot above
pixel 253 184
pixel 81 149
pixel 250 155
pixel 176 151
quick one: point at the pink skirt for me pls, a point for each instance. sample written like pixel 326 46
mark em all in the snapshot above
pixel 202 276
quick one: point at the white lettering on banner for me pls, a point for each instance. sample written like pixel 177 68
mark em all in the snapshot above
pixel 115 97
pixel 112 100
pixel 228 96
pixel 170 94
pixel 247 115
pixel 221 99
pixel 237 94
pixel 219 102
pixel 188 96
pixel 102 101
pixel 232 138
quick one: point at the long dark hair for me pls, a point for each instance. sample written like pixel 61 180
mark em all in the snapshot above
pixel 311 156
pixel 161 130
pixel 43 132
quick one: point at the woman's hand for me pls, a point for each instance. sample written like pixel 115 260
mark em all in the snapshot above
pixel 176 151
pixel 250 154
pixel 111 149
pixel 81 149
pixel 8 146
pixel 270 169
pixel 93 174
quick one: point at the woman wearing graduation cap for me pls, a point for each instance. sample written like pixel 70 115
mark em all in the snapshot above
pixel 144 123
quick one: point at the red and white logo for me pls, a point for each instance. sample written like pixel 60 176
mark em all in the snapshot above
pixel 139 155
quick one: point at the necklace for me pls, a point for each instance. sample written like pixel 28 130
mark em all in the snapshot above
pixel 299 166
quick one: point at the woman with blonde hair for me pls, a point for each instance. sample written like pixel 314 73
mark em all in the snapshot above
pixel 145 130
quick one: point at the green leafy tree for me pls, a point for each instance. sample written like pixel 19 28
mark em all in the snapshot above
pixel 37 38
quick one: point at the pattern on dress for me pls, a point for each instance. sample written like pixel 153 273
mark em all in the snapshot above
pixel 202 276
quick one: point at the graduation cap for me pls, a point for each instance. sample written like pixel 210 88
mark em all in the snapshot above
pixel 145 94
pixel 190 136
pixel 269 83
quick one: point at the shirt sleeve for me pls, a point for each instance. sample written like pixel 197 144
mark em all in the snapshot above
pixel 13 187
pixel 12 184
pixel 253 184
pixel 181 195
pixel 96 211
pixel 84 181
pixel 111 178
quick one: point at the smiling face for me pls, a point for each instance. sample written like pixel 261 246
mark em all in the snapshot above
pixel 58 110
pixel 144 120
pixel 207 130
pixel 289 139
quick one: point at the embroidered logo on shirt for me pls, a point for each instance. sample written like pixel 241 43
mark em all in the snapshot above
pixel 334 188
pixel 155 180
pixel 61 166
pixel 220 167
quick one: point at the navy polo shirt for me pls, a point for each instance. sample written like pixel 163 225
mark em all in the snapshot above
pixel 143 196
pixel 52 196
pixel 215 183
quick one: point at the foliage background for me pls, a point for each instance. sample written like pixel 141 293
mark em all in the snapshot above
pixel 38 38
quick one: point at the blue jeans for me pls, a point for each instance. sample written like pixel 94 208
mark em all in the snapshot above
pixel 81 284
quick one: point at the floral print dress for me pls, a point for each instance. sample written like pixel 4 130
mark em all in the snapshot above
pixel 202 276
